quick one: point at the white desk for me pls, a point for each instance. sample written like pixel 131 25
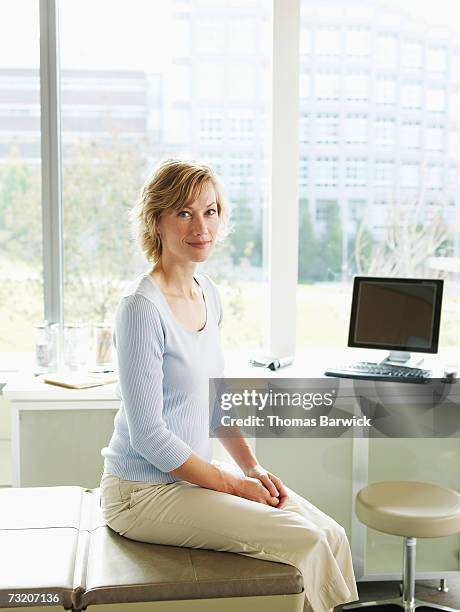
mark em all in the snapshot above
pixel 65 449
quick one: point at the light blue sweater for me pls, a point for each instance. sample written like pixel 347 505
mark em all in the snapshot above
pixel 164 370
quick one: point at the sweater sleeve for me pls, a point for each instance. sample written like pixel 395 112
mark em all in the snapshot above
pixel 140 347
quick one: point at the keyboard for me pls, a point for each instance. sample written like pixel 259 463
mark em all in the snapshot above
pixel 376 371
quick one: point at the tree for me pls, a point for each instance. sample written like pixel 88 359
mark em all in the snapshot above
pixel 408 240
pixel 331 244
pixel 308 246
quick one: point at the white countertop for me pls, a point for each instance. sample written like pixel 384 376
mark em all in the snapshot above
pixel 23 386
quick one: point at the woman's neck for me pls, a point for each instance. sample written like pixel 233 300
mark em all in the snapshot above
pixel 175 280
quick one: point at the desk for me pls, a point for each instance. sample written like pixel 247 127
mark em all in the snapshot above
pixel 57 435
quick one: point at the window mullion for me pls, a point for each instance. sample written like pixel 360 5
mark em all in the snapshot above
pixel 52 214
pixel 283 214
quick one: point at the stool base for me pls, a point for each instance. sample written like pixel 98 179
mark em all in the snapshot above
pixel 398 601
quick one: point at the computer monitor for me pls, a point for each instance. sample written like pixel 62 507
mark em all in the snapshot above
pixel 400 315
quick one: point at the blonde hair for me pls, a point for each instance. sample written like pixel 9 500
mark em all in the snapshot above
pixel 174 184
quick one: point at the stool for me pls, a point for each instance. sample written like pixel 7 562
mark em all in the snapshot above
pixel 411 510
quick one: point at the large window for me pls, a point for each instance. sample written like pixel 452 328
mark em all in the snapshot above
pixel 21 288
pixel 386 108
pixel 189 80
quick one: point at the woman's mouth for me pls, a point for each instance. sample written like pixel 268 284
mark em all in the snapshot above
pixel 200 245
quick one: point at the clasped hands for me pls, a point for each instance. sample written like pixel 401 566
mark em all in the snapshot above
pixel 271 482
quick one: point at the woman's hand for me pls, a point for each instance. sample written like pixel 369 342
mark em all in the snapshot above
pixel 271 482
pixel 253 489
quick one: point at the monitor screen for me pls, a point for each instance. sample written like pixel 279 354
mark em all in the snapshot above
pixel 399 314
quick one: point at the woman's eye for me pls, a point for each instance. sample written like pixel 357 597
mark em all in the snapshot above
pixel 212 211
pixel 182 213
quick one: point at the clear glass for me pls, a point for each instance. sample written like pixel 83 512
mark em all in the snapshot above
pixel 76 345
pixel 104 346
pixel 21 287
pixel 46 347
pixel 127 106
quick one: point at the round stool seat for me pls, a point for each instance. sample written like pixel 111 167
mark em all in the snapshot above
pixel 409 509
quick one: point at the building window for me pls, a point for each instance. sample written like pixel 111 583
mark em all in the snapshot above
pixel 356 209
pixel 434 178
pixel 326 172
pixel 356 87
pixel 305 86
pixel 211 128
pixel 328 42
pixel 435 100
pixel 356 172
pixel 384 173
pixel 385 91
pixel 386 48
pixel 411 95
pixel 410 175
pixel 327 86
pixel 434 139
pixel 242 126
pixel 303 170
pixel 355 129
pixel 358 42
pixel 327 127
pixel 304 128
pixel 384 133
pixel 436 60
pixel 410 135
pixel 412 55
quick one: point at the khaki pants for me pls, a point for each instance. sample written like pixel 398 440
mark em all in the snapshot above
pixel 184 514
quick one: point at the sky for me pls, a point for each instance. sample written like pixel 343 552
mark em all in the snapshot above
pixel 134 34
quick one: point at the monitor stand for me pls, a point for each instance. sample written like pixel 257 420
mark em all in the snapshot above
pixel 403 358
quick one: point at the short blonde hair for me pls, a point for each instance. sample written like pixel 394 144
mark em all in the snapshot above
pixel 174 184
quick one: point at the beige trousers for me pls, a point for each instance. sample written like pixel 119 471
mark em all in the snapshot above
pixel 184 514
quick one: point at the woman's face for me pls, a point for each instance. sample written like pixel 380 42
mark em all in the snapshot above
pixel 190 233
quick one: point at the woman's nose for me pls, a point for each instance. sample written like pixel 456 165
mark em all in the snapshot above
pixel 199 226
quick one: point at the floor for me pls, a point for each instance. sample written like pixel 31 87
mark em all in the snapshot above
pixel 424 590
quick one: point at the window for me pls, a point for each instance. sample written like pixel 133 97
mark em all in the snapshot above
pixel 411 95
pixel 386 48
pixel 303 173
pixel 356 209
pixel 434 138
pixel 210 36
pixel 436 60
pixel 385 91
pixel 355 129
pixel 358 42
pixel 356 87
pixel 156 101
pixel 211 126
pixel 435 177
pixel 435 100
pixel 304 129
pixel 384 173
pixel 326 171
pixel 356 172
pixel 410 175
pixel 326 128
pixel 21 289
pixel 412 55
pixel 242 126
pixel 327 86
pixel 384 132
pixel 410 135
pixel 328 42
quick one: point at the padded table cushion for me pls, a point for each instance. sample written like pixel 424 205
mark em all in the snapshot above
pixel 410 509
pixel 54 540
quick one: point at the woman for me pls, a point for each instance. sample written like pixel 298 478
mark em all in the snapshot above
pixel 160 484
